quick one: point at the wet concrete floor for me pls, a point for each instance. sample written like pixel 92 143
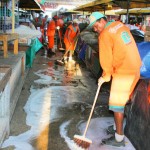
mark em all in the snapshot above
pixel 72 83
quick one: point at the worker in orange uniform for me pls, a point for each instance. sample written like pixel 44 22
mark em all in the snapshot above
pixel 60 23
pixel 119 59
pixel 70 38
pixel 51 28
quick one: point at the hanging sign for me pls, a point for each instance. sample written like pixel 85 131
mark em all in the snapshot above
pixel 49 5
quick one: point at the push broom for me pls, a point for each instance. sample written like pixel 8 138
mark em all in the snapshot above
pixel 60 62
pixel 82 141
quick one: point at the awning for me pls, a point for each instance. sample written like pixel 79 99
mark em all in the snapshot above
pixel 135 11
pixel 30 5
pixel 132 3
pixel 98 5
pixel 102 5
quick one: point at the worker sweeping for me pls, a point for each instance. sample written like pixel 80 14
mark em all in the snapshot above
pixel 60 24
pixel 70 37
pixel 51 33
pixel 120 60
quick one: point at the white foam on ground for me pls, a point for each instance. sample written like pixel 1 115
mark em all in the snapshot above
pixel 42 108
pixel 63 133
pixel 96 132
pixel 48 76
pixel 1 75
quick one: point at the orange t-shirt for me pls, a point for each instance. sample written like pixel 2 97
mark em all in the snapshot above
pixel 72 34
pixel 118 51
pixel 51 28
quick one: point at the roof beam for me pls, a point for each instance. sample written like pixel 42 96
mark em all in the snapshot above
pixel 30 4
pixel 97 2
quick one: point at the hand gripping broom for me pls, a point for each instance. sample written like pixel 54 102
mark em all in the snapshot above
pixel 82 141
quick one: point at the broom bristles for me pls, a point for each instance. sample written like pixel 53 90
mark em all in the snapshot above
pixel 61 49
pixel 59 62
pixel 82 141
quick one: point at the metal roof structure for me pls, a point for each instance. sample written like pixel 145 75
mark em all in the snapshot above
pixel 129 4
pixel 70 2
pixel 30 5
pixel 87 5
pixel 37 5
pixel 135 11
pixel 102 5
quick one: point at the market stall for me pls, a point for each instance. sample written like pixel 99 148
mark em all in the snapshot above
pixel 23 34
pixel 5 38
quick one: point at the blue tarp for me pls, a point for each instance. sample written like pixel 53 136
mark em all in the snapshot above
pixel 82 51
pixel 144 50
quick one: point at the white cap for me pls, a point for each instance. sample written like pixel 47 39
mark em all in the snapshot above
pixel 75 21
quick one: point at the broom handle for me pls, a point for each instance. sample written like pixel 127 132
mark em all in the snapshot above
pixel 65 54
pixel 96 96
pixel 69 48
pixel 59 37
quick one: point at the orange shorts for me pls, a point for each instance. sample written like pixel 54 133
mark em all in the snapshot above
pixel 122 87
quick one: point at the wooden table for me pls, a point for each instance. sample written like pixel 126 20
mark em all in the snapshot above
pixel 5 38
